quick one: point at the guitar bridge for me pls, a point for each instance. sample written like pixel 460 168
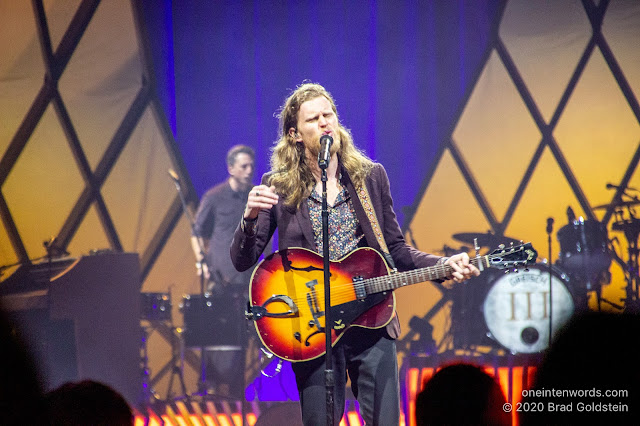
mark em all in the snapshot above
pixel 312 301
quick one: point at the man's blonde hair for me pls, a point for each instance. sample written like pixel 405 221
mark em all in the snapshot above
pixel 291 175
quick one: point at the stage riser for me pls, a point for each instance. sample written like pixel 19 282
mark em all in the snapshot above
pixel 512 379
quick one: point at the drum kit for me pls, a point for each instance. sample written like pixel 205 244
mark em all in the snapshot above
pixel 520 311
pixel 213 324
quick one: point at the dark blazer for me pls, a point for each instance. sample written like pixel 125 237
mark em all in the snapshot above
pixel 295 229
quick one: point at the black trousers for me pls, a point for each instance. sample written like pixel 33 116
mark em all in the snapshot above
pixel 369 358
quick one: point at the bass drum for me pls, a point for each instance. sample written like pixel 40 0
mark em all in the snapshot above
pixel 517 309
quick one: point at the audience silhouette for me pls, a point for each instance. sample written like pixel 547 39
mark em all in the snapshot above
pixel 590 374
pixel 461 394
pixel 21 389
pixel 86 403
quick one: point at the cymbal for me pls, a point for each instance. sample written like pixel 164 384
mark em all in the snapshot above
pixel 618 204
pixel 484 240
pixel 450 251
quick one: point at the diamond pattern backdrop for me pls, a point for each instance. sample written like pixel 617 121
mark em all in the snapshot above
pixel 551 119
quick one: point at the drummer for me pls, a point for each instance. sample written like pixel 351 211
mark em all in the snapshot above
pixel 216 219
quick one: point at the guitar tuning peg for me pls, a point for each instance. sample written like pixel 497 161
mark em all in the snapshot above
pixel 515 270
pixel 501 246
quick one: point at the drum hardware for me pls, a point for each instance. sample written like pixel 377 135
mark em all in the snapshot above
pixel 619 204
pixel 468 329
pixel 627 223
pixel 214 323
pixel 424 344
pixel 585 255
pixel 177 365
pixel 532 335
pixel 148 393
pixel 484 240
pixel 631 229
pixel 584 246
pixel 156 309
pixel 201 261
pixel 155 306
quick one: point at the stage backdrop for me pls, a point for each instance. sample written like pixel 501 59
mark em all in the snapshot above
pixel 489 116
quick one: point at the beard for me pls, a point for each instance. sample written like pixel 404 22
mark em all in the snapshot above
pixel 313 149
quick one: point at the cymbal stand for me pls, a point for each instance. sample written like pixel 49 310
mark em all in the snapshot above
pixel 148 393
pixel 177 361
pixel 177 367
pixel 202 264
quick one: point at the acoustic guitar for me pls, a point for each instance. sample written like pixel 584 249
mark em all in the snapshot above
pixel 286 295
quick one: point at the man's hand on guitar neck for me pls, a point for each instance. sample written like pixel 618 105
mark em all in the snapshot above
pixel 462 268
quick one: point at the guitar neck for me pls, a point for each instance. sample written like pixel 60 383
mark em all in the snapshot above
pixel 416 276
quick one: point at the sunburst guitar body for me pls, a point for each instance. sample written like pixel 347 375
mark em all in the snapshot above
pixel 286 295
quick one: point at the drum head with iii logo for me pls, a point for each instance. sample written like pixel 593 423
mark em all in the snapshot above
pixel 517 309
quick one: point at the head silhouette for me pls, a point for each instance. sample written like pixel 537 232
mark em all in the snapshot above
pixel 461 394
pixel 88 403
pixel 592 354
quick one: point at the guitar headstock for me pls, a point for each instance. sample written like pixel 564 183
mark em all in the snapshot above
pixel 513 257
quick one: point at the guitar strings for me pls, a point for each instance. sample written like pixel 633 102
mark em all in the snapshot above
pixel 379 284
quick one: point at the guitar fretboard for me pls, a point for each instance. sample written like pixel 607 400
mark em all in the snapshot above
pixel 416 276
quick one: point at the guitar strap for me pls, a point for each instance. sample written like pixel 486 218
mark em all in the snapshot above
pixel 365 200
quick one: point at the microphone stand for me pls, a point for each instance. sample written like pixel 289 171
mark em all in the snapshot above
pixel 202 384
pixel 328 372
pixel 549 265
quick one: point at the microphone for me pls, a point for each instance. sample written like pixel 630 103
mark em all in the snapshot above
pixel 549 225
pixel 325 147
pixel 174 176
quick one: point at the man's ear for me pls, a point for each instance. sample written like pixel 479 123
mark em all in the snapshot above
pixel 294 134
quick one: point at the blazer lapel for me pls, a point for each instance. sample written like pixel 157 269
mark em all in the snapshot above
pixel 302 216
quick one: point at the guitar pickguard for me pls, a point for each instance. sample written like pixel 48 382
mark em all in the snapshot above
pixel 345 315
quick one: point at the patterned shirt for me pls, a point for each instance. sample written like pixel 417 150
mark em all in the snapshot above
pixel 344 230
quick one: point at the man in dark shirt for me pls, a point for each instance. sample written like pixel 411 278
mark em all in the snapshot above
pixel 222 323
pixel 220 210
